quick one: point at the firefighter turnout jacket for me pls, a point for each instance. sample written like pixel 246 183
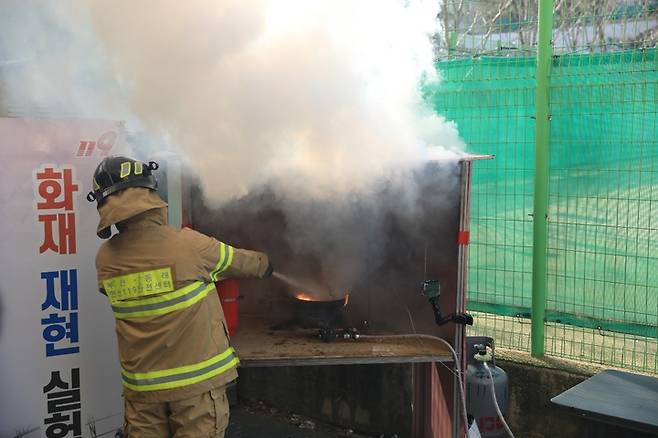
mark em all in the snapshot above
pixel 172 336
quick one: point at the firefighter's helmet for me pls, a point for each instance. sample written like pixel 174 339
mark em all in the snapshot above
pixel 118 173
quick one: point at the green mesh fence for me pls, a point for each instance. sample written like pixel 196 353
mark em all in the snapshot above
pixel 602 281
pixel 603 237
pixel 603 248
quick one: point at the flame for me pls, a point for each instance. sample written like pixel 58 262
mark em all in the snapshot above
pixel 304 297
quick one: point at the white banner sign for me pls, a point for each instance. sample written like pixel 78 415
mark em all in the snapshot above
pixel 59 375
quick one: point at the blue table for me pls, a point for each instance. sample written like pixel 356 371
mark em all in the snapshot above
pixel 615 397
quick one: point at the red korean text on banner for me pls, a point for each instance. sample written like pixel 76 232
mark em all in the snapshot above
pixel 103 145
pixel 56 210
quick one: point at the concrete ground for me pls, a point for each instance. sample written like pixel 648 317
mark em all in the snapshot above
pixel 257 421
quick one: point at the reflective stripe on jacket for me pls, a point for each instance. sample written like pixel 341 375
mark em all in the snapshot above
pixel 164 303
pixel 181 376
pixel 225 260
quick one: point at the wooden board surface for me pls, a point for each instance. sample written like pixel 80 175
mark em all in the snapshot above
pixel 258 345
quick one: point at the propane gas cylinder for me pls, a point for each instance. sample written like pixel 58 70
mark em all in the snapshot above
pixel 479 402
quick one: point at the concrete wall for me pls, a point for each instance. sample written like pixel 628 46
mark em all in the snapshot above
pixel 377 398
pixel 530 413
pixel 532 385
pixel 370 398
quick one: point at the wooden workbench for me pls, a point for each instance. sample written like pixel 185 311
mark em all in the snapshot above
pixel 259 345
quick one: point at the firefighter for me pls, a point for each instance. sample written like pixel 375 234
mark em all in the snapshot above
pixel 173 342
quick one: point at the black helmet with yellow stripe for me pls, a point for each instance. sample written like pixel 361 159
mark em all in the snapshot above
pixel 117 173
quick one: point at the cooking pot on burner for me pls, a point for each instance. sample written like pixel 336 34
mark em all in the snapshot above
pixel 312 313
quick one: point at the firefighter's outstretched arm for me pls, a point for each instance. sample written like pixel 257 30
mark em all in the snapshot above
pixel 224 261
pixel 235 262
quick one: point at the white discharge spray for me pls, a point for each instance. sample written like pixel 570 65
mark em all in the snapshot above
pixel 309 287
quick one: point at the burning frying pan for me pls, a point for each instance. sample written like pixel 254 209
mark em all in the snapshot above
pixel 319 313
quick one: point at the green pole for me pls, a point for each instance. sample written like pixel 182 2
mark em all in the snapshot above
pixel 542 132
pixel 452 42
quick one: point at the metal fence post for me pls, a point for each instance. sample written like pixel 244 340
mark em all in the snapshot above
pixel 542 133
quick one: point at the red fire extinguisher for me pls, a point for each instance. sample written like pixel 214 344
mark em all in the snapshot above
pixel 229 292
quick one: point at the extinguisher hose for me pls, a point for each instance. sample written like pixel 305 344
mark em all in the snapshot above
pixel 454 357
pixel 495 400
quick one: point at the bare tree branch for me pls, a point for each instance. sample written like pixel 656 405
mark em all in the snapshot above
pixel 502 8
pixel 469 26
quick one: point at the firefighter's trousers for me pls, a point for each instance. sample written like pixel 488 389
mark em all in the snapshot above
pixel 204 415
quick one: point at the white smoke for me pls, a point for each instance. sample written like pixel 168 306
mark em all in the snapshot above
pixel 321 95
pixel 319 99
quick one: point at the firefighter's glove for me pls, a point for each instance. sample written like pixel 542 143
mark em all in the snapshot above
pixel 269 270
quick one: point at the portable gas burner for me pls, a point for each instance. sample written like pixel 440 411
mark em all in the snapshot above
pixel 332 334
